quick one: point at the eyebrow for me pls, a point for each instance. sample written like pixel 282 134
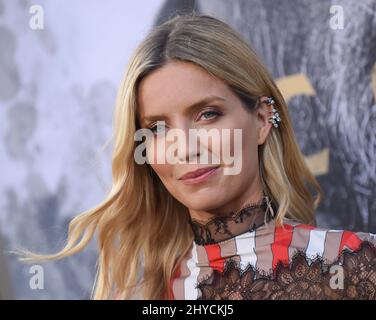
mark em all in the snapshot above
pixel 187 110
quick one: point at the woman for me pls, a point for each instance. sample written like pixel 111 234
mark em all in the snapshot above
pixel 212 229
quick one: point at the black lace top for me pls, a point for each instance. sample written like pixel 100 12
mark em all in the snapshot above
pixel 227 226
pixel 352 276
pixel 245 255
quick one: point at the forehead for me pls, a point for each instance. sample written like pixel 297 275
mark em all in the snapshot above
pixel 176 85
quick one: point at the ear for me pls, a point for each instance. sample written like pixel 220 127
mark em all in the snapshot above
pixel 263 125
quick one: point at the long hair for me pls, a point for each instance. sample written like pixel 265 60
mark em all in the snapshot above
pixel 140 226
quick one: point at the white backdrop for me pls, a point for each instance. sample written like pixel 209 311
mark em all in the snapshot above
pixel 57 93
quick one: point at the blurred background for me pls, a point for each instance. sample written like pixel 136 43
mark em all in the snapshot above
pixel 60 67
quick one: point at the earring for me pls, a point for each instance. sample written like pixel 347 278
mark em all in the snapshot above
pixel 274 118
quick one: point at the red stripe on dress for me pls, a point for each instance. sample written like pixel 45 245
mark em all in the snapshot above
pixel 214 256
pixel 350 240
pixel 170 290
pixel 280 246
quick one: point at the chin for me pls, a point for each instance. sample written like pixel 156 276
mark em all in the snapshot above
pixel 201 204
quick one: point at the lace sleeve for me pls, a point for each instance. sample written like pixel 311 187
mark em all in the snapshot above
pixel 351 276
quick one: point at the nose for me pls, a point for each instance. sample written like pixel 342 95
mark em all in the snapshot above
pixel 189 151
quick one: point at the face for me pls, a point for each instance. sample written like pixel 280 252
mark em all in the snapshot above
pixel 170 94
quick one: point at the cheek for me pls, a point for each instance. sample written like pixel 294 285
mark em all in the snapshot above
pixel 250 148
pixel 227 143
pixel 213 147
pixel 242 146
pixel 164 171
pixel 154 151
pixel 237 144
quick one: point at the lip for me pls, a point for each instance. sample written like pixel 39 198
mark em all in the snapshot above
pixel 198 175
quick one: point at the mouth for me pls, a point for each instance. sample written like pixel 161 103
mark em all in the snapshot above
pixel 199 175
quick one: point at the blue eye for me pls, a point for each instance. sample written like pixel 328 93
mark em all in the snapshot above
pixel 213 114
pixel 155 129
pixel 158 127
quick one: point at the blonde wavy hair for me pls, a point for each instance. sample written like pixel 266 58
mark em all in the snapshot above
pixel 139 224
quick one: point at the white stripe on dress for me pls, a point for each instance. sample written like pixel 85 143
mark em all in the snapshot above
pixel 245 248
pixel 190 290
pixel 316 245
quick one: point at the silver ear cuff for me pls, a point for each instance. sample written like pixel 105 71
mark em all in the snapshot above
pixel 274 118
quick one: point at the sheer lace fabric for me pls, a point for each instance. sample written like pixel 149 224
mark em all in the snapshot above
pixel 225 227
pixel 351 276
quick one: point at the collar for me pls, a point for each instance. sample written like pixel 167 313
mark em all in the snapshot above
pixel 224 227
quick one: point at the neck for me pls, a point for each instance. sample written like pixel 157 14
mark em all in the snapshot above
pixel 221 228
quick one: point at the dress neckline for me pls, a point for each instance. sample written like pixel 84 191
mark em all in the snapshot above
pixel 224 227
